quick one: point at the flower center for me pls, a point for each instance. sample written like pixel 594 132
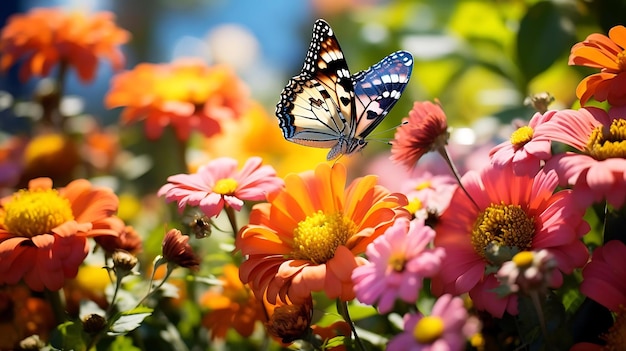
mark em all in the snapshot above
pixel 33 212
pixel 414 205
pixel 608 142
pixel 621 61
pixel 428 329
pixel 521 136
pixel 504 225
pixel 423 185
pixel 523 259
pixel 226 186
pixel 317 237
pixel 397 262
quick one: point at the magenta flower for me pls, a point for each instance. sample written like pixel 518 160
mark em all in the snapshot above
pixel 217 184
pixel 598 172
pixel 448 327
pixel 511 211
pixel 604 278
pixel 526 148
pixel 399 260
pixel 428 194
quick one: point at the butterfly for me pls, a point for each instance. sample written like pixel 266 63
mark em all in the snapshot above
pixel 326 107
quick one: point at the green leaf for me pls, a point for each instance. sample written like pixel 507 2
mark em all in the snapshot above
pixel 128 320
pixel 545 34
pixel 72 336
pixel 123 343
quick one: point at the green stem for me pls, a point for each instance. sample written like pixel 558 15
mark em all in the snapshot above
pixel 534 296
pixel 58 307
pixel 156 288
pixel 342 308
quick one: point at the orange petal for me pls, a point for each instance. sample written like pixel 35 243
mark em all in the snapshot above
pixel 618 35
pixel 591 57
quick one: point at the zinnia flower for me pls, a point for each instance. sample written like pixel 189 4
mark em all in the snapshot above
pixel 45 37
pixel 288 321
pixel 399 260
pixel 231 305
pixel 218 184
pixel 606 53
pixel 176 250
pixel 308 237
pixel 526 148
pixel 448 327
pixel 598 172
pixel 187 94
pixel 604 279
pixel 426 129
pixel 44 232
pixel 508 211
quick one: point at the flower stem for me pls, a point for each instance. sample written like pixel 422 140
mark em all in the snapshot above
pixel 443 151
pixel 534 296
pixel 58 307
pixel 342 308
pixel 170 268
pixel 230 212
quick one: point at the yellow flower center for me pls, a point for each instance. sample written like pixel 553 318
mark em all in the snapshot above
pixel 423 185
pixel 504 225
pixel 34 212
pixel 621 61
pixel 428 329
pixel 414 205
pixel 521 136
pixel 523 259
pixel 226 186
pixel 317 237
pixel 616 336
pixel 608 142
pixel 45 145
pixel 397 262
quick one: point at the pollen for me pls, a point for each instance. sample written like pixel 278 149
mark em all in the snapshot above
pixel 504 225
pixel 428 329
pixel 521 136
pixel 34 212
pixel 226 186
pixel 414 206
pixel 317 237
pixel 608 142
pixel 396 262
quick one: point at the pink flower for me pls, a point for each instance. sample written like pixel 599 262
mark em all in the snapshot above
pixel 508 211
pixel 598 172
pixel 428 194
pixel 447 328
pixel 604 278
pixel 528 272
pixel 399 260
pixel 526 148
pixel 218 184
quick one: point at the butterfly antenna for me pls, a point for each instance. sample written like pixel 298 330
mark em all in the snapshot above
pixel 386 131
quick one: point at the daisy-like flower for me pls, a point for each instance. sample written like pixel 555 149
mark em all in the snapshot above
pixel 176 250
pixel 45 37
pixel 607 54
pixel 231 305
pixel 44 231
pixel 513 213
pixel 448 327
pixel 399 260
pixel 526 148
pixel 308 237
pixel 604 280
pixel 187 94
pixel 596 173
pixel 429 194
pixel 528 272
pixel 426 129
pixel 218 184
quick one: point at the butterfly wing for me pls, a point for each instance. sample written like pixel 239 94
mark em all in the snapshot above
pixel 316 106
pixel 378 88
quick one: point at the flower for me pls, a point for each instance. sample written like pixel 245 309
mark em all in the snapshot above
pixel 51 155
pixel 45 37
pixel 528 271
pixel 231 305
pixel 606 53
pixel 217 184
pixel 613 339
pixel 308 237
pixel 399 260
pixel 44 231
pixel 526 148
pixel 426 129
pixel 510 213
pixel 598 172
pixel 176 250
pixel 128 240
pixel 604 280
pixel 288 321
pixel 429 194
pixel 22 315
pixel 187 94
pixel 447 328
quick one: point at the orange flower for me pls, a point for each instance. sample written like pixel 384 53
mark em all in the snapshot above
pixel 128 240
pixel 187 94
pixel 231 305
pixel 44 231
pixel 47 36
pixel 22 315
pixel 308 236
pixel 50 155
pixel 608 54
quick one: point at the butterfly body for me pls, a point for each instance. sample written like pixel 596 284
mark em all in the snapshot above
pixel 326 107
